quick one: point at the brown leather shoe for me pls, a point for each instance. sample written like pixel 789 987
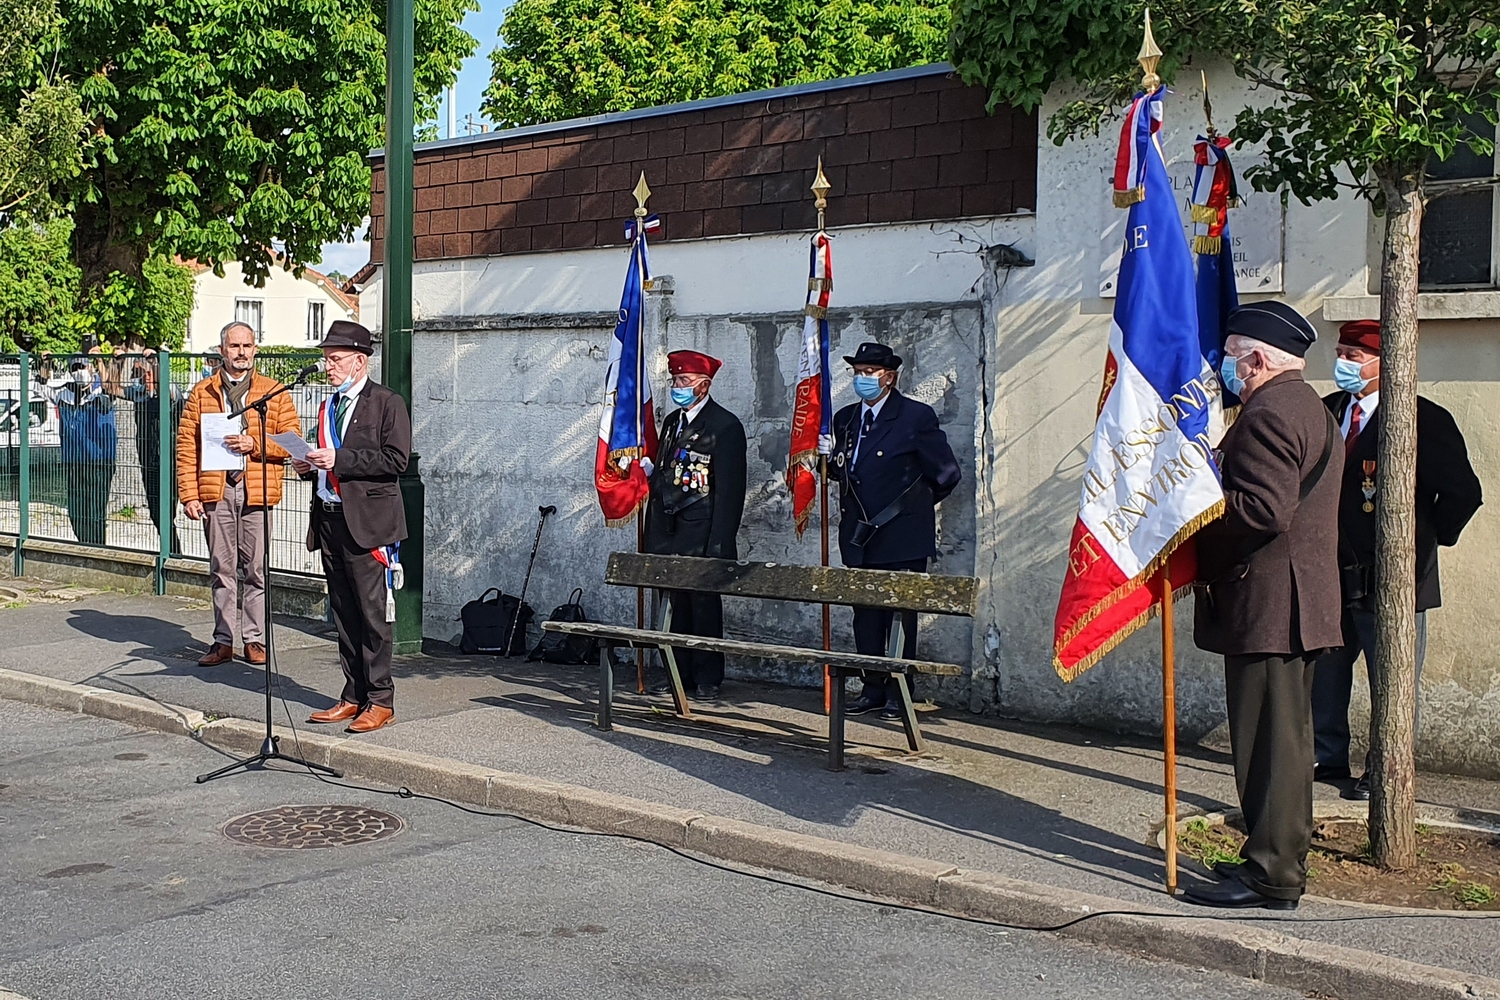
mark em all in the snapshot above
pixel 255 653
pixel 217 653
pixel 338 713
pixel 372 719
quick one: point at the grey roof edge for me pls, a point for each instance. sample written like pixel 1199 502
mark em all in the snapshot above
pixel 821 86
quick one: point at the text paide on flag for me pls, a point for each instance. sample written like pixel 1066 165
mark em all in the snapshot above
pixel 1150 480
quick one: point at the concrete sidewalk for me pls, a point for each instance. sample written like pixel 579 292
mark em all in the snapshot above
pixel 1067 808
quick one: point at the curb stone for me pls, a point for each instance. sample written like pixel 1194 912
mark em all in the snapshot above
pixel 1222 945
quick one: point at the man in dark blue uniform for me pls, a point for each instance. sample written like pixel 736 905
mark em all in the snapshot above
pixel 697 501
pixel 893 466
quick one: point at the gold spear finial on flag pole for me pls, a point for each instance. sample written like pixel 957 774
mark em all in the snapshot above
pixel 642 192
pixel 1149 57
pixel 1208 108
pixel 820 189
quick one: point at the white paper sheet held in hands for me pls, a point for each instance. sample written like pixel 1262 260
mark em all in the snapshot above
pixel 295 445
pixel 212 454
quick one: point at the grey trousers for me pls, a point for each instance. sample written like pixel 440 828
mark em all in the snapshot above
pixel 1335 680
pixel 236 543
pixel 1271 736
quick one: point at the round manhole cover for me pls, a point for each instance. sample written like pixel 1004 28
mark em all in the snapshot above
pixel 301 827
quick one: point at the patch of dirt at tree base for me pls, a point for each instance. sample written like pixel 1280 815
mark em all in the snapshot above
pixel 1455 870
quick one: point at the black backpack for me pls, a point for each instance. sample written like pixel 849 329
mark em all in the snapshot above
pixel 488 622
pixel 558 647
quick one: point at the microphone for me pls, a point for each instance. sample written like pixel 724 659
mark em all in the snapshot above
pixel 312 369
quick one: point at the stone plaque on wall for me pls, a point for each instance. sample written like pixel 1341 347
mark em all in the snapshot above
pixel 1256 227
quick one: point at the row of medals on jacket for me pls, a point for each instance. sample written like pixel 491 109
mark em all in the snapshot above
pixel 1368 487
pixel 690 471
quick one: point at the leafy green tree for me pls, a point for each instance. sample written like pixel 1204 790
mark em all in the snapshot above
pixel 220 128
pixel 41 125
pixel 1360 96
pixel 568 58
pixel 38 287
pixel 43 306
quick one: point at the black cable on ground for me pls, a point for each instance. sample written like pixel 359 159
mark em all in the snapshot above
pixel 406 793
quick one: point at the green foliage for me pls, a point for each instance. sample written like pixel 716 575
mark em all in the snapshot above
pixel 222 127
pixel 1355 90
pixel 563 59
pixel 43 306
pixel 38 286
pixel 41 124
pixel 153 308
pixel 1019 49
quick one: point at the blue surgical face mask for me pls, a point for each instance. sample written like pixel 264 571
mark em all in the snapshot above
pixel 867 387
pixel 1346 374
pixel 684 396
pixel 1229 374
pixel 346 385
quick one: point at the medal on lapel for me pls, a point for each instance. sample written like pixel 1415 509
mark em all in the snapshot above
pixel 1368 486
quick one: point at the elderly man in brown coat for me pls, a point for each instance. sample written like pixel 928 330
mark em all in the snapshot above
pixel 1268 599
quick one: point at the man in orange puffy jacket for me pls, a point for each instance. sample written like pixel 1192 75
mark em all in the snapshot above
pixel 235 506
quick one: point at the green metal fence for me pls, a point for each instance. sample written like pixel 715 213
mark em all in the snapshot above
pixel 88 454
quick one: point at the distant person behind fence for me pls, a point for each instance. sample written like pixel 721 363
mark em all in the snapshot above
pixel 141 388
pixel 86 415
pixel 231 503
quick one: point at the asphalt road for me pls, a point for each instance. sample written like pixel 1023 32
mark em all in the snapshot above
pixel 117 882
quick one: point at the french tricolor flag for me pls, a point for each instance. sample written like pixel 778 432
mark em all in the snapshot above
pixel 1151 479
pixel 812 409
pixel 627 428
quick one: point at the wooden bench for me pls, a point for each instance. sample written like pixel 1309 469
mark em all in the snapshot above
pixel 919 592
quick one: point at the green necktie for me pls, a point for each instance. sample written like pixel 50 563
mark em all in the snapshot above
pixel 340 410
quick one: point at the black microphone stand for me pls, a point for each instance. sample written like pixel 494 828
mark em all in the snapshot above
pixel 270 747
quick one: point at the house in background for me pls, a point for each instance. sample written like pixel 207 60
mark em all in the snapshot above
pixel 287 311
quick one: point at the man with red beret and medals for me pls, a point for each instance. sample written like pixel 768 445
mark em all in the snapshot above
pixel 1448 494
pixel 697 500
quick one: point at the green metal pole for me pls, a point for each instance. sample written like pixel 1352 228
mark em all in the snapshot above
pixel 24 456
pixel 166 508
pixel 396 312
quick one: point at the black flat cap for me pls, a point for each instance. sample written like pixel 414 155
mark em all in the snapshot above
pixel 344 333
pixel 1273 323
pixel 870 353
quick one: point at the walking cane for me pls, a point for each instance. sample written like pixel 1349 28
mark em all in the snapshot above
pixel 521 602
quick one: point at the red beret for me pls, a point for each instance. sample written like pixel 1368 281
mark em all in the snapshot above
pixel 692 363
pixel 1361 333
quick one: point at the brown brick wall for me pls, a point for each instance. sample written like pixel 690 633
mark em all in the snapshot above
pixel 896 151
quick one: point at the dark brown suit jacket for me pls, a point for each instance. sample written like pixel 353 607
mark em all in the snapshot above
pixel 374 452
pixel 1271 562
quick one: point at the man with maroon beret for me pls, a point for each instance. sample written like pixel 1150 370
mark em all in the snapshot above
pixel 697 500
pixel 1448 494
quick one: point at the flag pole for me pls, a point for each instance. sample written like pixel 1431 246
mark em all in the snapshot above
pixel 641 192
pixel 820 189
pixel 1169 725
pixel 1149 57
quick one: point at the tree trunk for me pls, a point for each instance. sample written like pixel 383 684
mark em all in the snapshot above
pixel 1393 694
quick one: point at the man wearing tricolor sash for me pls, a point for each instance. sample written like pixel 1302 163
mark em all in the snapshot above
pixel 363 442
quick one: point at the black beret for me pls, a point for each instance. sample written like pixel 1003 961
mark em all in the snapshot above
pixel 1274 323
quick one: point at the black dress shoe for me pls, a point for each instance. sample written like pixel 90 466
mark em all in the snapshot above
pixel 1357 792
pixel 1228 869
pixel 708 692
pixel 665 687
pixel 891 713
pixel 865 703
pixel 1233 894
pixel 1331 772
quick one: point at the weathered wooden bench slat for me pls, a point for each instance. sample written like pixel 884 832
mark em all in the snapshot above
pixel 648 639
pixel 929 593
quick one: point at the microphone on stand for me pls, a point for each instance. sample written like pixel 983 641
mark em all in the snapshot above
pixel 312 369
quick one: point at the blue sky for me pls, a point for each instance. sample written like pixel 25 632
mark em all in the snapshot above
pixel 473 77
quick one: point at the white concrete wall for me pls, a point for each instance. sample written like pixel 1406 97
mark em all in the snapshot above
pixel 284 297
